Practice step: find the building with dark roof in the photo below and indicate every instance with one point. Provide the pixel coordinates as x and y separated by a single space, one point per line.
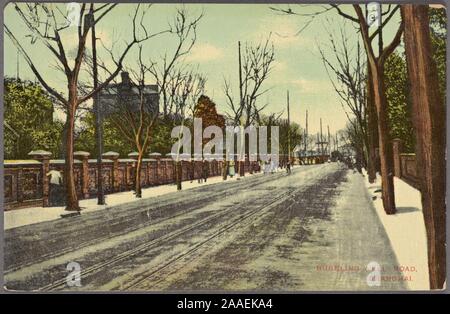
125 95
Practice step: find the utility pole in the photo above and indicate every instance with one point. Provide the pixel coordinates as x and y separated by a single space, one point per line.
304 136
241 103
241 97
98 113
289 128
329 142
306 132
321 138
318 143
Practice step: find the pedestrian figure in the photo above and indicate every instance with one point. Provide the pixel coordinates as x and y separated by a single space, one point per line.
272 166
266 166
205 169
200 171
288 167
56 193
231 170
349 163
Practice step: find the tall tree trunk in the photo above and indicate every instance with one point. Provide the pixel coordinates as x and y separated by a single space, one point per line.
386 158
371 131
63 147
429 122
71 192
137 177
379 92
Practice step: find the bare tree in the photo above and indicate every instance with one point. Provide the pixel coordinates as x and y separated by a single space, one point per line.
254 69
347 74
47 22
136 123
257 64
376 70
165 70
185 87
177 81
376 64
135 114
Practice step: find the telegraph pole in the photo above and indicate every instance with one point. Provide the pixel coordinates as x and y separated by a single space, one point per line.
241 103
318 143
329 143
241 97
306 132
321 138
98 118
304 135
289 128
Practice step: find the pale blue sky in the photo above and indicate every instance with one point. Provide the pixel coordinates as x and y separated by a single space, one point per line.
297 67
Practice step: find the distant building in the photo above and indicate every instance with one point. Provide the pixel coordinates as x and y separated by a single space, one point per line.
307 153
115 97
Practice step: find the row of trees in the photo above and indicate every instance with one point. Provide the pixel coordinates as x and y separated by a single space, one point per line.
408 94
129 127
28 120
46 23
388 93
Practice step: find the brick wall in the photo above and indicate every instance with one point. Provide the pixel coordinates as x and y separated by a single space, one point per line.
405 166
25 183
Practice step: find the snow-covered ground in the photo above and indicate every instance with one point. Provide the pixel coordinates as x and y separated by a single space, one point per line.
26 216
406 231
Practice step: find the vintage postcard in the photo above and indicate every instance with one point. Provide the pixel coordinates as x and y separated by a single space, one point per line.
220 147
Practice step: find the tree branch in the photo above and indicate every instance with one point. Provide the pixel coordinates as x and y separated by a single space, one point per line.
33 67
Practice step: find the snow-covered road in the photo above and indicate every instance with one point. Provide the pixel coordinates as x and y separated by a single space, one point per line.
315 229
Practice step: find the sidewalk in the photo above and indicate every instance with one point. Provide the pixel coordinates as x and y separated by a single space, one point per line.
405 230
348 248
26 216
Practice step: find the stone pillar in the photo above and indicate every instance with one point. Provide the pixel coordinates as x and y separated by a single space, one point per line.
157 157
44 157
169 163
128 175
20 185
165 178
147 172
84 158
397 149
185 162
144 169
134 156
115 173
